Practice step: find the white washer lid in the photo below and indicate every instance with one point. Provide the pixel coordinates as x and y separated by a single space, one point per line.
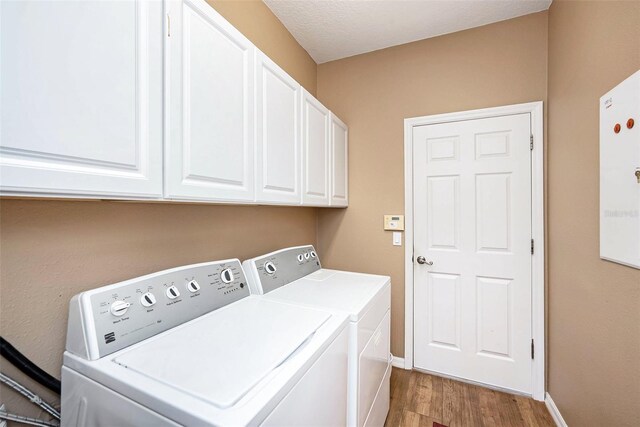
221 356
333 290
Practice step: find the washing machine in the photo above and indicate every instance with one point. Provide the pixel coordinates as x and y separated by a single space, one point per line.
191 346
295 275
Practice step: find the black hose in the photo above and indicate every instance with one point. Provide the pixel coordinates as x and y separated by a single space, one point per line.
29 368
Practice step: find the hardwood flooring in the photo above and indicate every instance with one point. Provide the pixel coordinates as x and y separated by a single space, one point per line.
420 400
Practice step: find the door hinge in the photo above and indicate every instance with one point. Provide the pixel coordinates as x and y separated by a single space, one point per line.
532 247
531 142
533 349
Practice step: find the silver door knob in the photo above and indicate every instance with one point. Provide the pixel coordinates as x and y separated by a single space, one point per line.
422 260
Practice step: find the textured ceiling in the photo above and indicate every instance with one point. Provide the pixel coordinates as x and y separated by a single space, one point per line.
334 29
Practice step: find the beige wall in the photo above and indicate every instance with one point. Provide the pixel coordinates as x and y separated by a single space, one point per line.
51 250
256 21
594 305
498 64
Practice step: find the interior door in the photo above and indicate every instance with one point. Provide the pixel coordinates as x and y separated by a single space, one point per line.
472 266
81 105
210 104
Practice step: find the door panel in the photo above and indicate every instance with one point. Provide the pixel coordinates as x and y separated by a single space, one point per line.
493 216
279 146
472 201
210 105
81 105
494 313
443 219
444 309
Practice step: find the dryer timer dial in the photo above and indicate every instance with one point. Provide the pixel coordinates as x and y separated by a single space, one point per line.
226 275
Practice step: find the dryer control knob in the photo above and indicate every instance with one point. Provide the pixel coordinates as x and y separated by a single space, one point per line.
269 267
118 308
300 258
313 254
148 299
226 275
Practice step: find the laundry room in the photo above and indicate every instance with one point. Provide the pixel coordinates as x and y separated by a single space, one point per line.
319 212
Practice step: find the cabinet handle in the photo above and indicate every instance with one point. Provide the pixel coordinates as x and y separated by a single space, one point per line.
168 25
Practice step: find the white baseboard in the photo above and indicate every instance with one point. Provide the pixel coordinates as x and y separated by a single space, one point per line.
398 362
553 410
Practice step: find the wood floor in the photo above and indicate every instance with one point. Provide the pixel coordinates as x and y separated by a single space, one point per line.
421 400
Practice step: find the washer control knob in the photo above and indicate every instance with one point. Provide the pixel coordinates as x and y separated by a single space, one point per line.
300 257
269 267
148 299
118 308
313 254
173 292
193 286
226 275
306 255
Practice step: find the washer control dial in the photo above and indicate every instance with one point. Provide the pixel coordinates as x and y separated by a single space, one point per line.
148 299
193 286
306 255
313 254
300 258
270 267
226 275
173 292
118 308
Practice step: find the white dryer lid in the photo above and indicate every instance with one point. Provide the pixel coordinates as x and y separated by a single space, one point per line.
333 290
221 356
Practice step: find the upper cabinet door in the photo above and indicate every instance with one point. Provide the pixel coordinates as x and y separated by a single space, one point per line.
81 104
210 105
339 162
315 151
278 132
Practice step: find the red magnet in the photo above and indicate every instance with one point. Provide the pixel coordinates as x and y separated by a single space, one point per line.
617 128
630 123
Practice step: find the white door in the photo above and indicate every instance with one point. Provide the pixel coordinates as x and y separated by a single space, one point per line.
339 162
278 143
472 288
209 106
81 104
315 151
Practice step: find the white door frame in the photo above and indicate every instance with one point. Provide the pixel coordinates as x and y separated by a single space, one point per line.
537 217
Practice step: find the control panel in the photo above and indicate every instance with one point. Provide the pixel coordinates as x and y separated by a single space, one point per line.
271 271
113 317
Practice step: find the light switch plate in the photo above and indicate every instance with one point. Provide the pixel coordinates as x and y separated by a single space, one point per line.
394 222
397 238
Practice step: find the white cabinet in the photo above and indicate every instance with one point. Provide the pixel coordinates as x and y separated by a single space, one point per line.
81 98
339 163
315 151
148 99
278 132
210 107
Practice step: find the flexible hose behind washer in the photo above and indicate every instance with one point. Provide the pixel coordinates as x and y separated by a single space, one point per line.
29 368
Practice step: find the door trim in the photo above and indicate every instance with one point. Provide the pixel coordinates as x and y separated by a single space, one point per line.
537 222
